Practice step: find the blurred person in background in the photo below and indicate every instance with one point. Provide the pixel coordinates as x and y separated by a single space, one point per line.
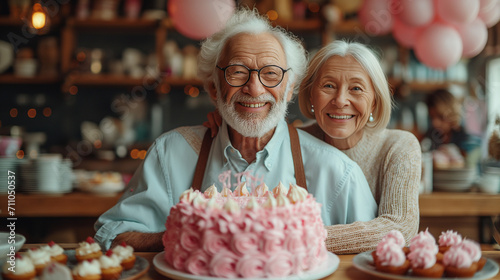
453 147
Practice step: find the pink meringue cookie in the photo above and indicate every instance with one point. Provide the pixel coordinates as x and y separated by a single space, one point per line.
390 254
396 236
422 258
457 257
423 239
449 238
472 248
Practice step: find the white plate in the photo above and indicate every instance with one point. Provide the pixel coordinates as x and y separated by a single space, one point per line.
364 262
328 267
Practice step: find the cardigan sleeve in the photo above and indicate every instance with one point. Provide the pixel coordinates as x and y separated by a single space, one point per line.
399 182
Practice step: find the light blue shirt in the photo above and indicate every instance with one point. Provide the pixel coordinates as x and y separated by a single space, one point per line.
168 169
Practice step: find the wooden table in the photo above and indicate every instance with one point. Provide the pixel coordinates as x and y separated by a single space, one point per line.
76 204
345 270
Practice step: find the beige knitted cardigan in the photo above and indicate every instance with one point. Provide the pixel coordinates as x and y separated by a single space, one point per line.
391 162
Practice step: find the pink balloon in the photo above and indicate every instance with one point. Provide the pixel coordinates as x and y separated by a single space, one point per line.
458 11
438 46
405 35
413 13
492 16
198 19
375 17
486 5
474 36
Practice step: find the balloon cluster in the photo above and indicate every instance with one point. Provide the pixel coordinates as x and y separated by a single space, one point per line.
439 31
198 19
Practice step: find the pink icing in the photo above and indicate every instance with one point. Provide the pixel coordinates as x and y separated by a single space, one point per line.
423 239
259 242
457 257
396 236
449 238
252 266
390 254
422 258
472 248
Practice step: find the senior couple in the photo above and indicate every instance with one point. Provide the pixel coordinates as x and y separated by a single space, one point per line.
365 176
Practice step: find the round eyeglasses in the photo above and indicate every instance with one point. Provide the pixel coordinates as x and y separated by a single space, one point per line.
238 75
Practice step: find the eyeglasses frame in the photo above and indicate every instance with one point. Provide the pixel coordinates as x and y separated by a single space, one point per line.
250 74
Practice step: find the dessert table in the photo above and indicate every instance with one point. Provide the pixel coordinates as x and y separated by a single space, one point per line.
345 270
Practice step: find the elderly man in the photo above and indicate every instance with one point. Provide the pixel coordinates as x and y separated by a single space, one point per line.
249 69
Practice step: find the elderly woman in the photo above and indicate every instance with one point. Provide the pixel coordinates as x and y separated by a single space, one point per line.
347 93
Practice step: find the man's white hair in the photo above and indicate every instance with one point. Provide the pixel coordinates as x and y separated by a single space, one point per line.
249 21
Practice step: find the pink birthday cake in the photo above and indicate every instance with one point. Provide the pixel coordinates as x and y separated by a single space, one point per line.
238 234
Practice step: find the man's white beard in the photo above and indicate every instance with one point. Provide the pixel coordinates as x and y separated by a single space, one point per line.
249 124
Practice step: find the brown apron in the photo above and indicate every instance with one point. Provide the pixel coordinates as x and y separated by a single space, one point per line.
298 165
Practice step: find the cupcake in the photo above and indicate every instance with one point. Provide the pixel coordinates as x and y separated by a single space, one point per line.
126 255
39 258
458 263
395 236
111 268
87 270
56 271
448 239
24 269
390 258
425 239
88 250
474 251
423 262
56 252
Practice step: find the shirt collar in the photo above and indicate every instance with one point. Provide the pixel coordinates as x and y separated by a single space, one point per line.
270 151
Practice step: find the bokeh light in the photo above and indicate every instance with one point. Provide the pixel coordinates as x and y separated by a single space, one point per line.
13 112
47 112
20 154
272 15
32 113
73 90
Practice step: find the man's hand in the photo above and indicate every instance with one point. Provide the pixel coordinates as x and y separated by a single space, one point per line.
213 122
142 242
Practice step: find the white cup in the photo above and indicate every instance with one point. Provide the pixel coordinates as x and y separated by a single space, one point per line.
489 183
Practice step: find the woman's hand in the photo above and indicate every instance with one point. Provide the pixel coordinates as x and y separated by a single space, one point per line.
213 122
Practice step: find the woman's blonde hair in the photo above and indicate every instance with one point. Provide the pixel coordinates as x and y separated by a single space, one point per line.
369 62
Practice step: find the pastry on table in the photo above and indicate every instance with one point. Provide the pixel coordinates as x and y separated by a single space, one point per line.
423 262
88 250
447 239
458 263
40 259
87 270
111 268
391 258
397 237
56 252
56 271
24 269
126 255
474 251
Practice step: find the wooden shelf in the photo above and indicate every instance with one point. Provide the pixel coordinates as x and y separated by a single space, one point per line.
445 204
115 24
426 87
10 21
299 25
123 80
37 80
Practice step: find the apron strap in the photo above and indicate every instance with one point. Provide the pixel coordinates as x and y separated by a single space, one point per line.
199 172
298 165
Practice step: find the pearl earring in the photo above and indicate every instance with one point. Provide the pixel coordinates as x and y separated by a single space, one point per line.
370 119
312 108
